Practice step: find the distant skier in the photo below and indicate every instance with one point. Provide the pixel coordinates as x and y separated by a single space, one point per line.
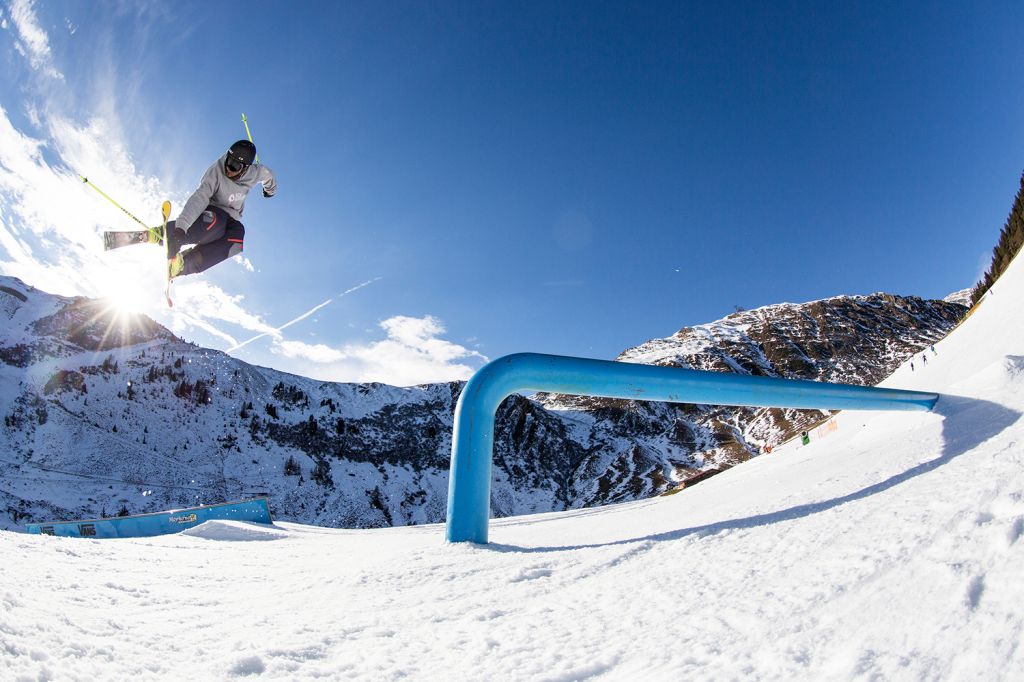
211 218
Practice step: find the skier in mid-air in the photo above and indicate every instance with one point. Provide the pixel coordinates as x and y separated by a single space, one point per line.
211 218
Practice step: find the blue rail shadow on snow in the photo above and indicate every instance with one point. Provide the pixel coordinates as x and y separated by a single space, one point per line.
966 424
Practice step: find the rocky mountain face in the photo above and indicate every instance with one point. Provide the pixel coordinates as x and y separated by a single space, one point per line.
846 339
107 414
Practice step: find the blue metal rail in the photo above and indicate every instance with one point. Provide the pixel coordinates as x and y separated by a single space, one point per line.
469 483
256 510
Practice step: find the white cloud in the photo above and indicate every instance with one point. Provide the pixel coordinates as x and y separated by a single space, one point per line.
184 321
276 331
33 43
314 352
207 301
412 353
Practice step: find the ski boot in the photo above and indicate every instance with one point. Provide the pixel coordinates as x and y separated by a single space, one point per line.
175 266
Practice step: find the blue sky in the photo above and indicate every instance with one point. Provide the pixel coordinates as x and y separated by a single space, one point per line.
463 180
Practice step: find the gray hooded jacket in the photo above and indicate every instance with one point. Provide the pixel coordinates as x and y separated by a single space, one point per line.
218 189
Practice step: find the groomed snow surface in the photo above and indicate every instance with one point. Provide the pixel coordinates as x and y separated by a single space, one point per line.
890 549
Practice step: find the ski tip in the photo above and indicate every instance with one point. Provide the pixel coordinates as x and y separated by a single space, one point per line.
166 209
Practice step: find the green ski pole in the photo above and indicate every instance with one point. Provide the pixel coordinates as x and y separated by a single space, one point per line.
245 122
107 197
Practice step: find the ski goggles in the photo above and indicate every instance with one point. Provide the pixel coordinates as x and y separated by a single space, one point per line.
233 165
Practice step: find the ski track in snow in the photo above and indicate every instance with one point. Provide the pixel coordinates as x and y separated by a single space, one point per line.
889 550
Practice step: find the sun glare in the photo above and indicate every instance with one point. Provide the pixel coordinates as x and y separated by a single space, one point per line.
127 300
125 295
131 282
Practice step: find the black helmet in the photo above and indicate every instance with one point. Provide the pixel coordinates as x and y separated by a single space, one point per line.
240 156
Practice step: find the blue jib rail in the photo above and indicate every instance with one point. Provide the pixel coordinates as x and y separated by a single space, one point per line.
469 483
256 510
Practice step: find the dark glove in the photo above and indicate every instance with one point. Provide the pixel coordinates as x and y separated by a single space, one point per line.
266 194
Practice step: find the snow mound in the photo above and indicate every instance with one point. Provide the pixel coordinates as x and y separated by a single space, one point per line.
235 531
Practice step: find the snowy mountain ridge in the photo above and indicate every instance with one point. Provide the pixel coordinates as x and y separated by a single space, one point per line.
106 414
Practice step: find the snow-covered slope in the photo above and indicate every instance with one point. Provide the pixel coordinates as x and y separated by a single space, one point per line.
889 550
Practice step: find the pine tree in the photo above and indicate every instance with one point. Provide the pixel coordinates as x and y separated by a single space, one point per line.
1010 240
322 473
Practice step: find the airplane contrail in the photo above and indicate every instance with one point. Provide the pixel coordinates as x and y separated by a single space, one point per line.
303 316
